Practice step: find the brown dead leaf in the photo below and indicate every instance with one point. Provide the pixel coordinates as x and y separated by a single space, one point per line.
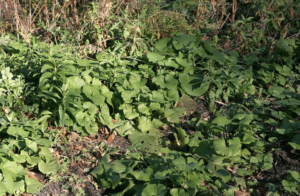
241 193
114 120
98 155
165 127
233 170
73 136
89 138
111 137
33 176
104 130
26 194
228 168
188 103
6 110
78 147
63 132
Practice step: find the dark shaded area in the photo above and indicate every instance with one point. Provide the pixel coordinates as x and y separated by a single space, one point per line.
84 154
285 159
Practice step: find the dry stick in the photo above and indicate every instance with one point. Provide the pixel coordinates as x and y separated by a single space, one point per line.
223 23
37 14
223 9
29 16
295 35
234 5
53 12
18 21
46 13
75 13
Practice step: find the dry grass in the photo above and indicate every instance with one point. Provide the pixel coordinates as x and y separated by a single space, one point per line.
35 17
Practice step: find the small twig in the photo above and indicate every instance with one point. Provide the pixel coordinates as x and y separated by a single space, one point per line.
37 15
293 36
219 29
219 102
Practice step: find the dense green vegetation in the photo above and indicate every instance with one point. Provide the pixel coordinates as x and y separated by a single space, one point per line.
139 69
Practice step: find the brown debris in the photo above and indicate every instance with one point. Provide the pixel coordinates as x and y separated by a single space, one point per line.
241 193
111 138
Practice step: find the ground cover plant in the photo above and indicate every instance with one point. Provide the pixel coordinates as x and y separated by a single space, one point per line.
150 98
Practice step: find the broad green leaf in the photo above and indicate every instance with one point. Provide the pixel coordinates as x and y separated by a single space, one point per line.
277 91
128 95
170 81
9 168
157 97
154 190
295 142
144 141
172 115
183 137
76 82
193 85
45 153
144 109
181 164
290 186
114 167
195 139
159 80
178 192
233 149
163 44
33 185
182 41
46 66
43 118
248 139
105 116
91 130
94 94
154 57
7 184
184 63
223 174
15 131
130 113
33 161
107 93
48 168
44 78
21 158
86 62
19 186
61 112
294 174
143 175
124 129
92 109
204 149
242 172
145 124
81 118
157 123
172 95
221 121
136 81
31 145
171 63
